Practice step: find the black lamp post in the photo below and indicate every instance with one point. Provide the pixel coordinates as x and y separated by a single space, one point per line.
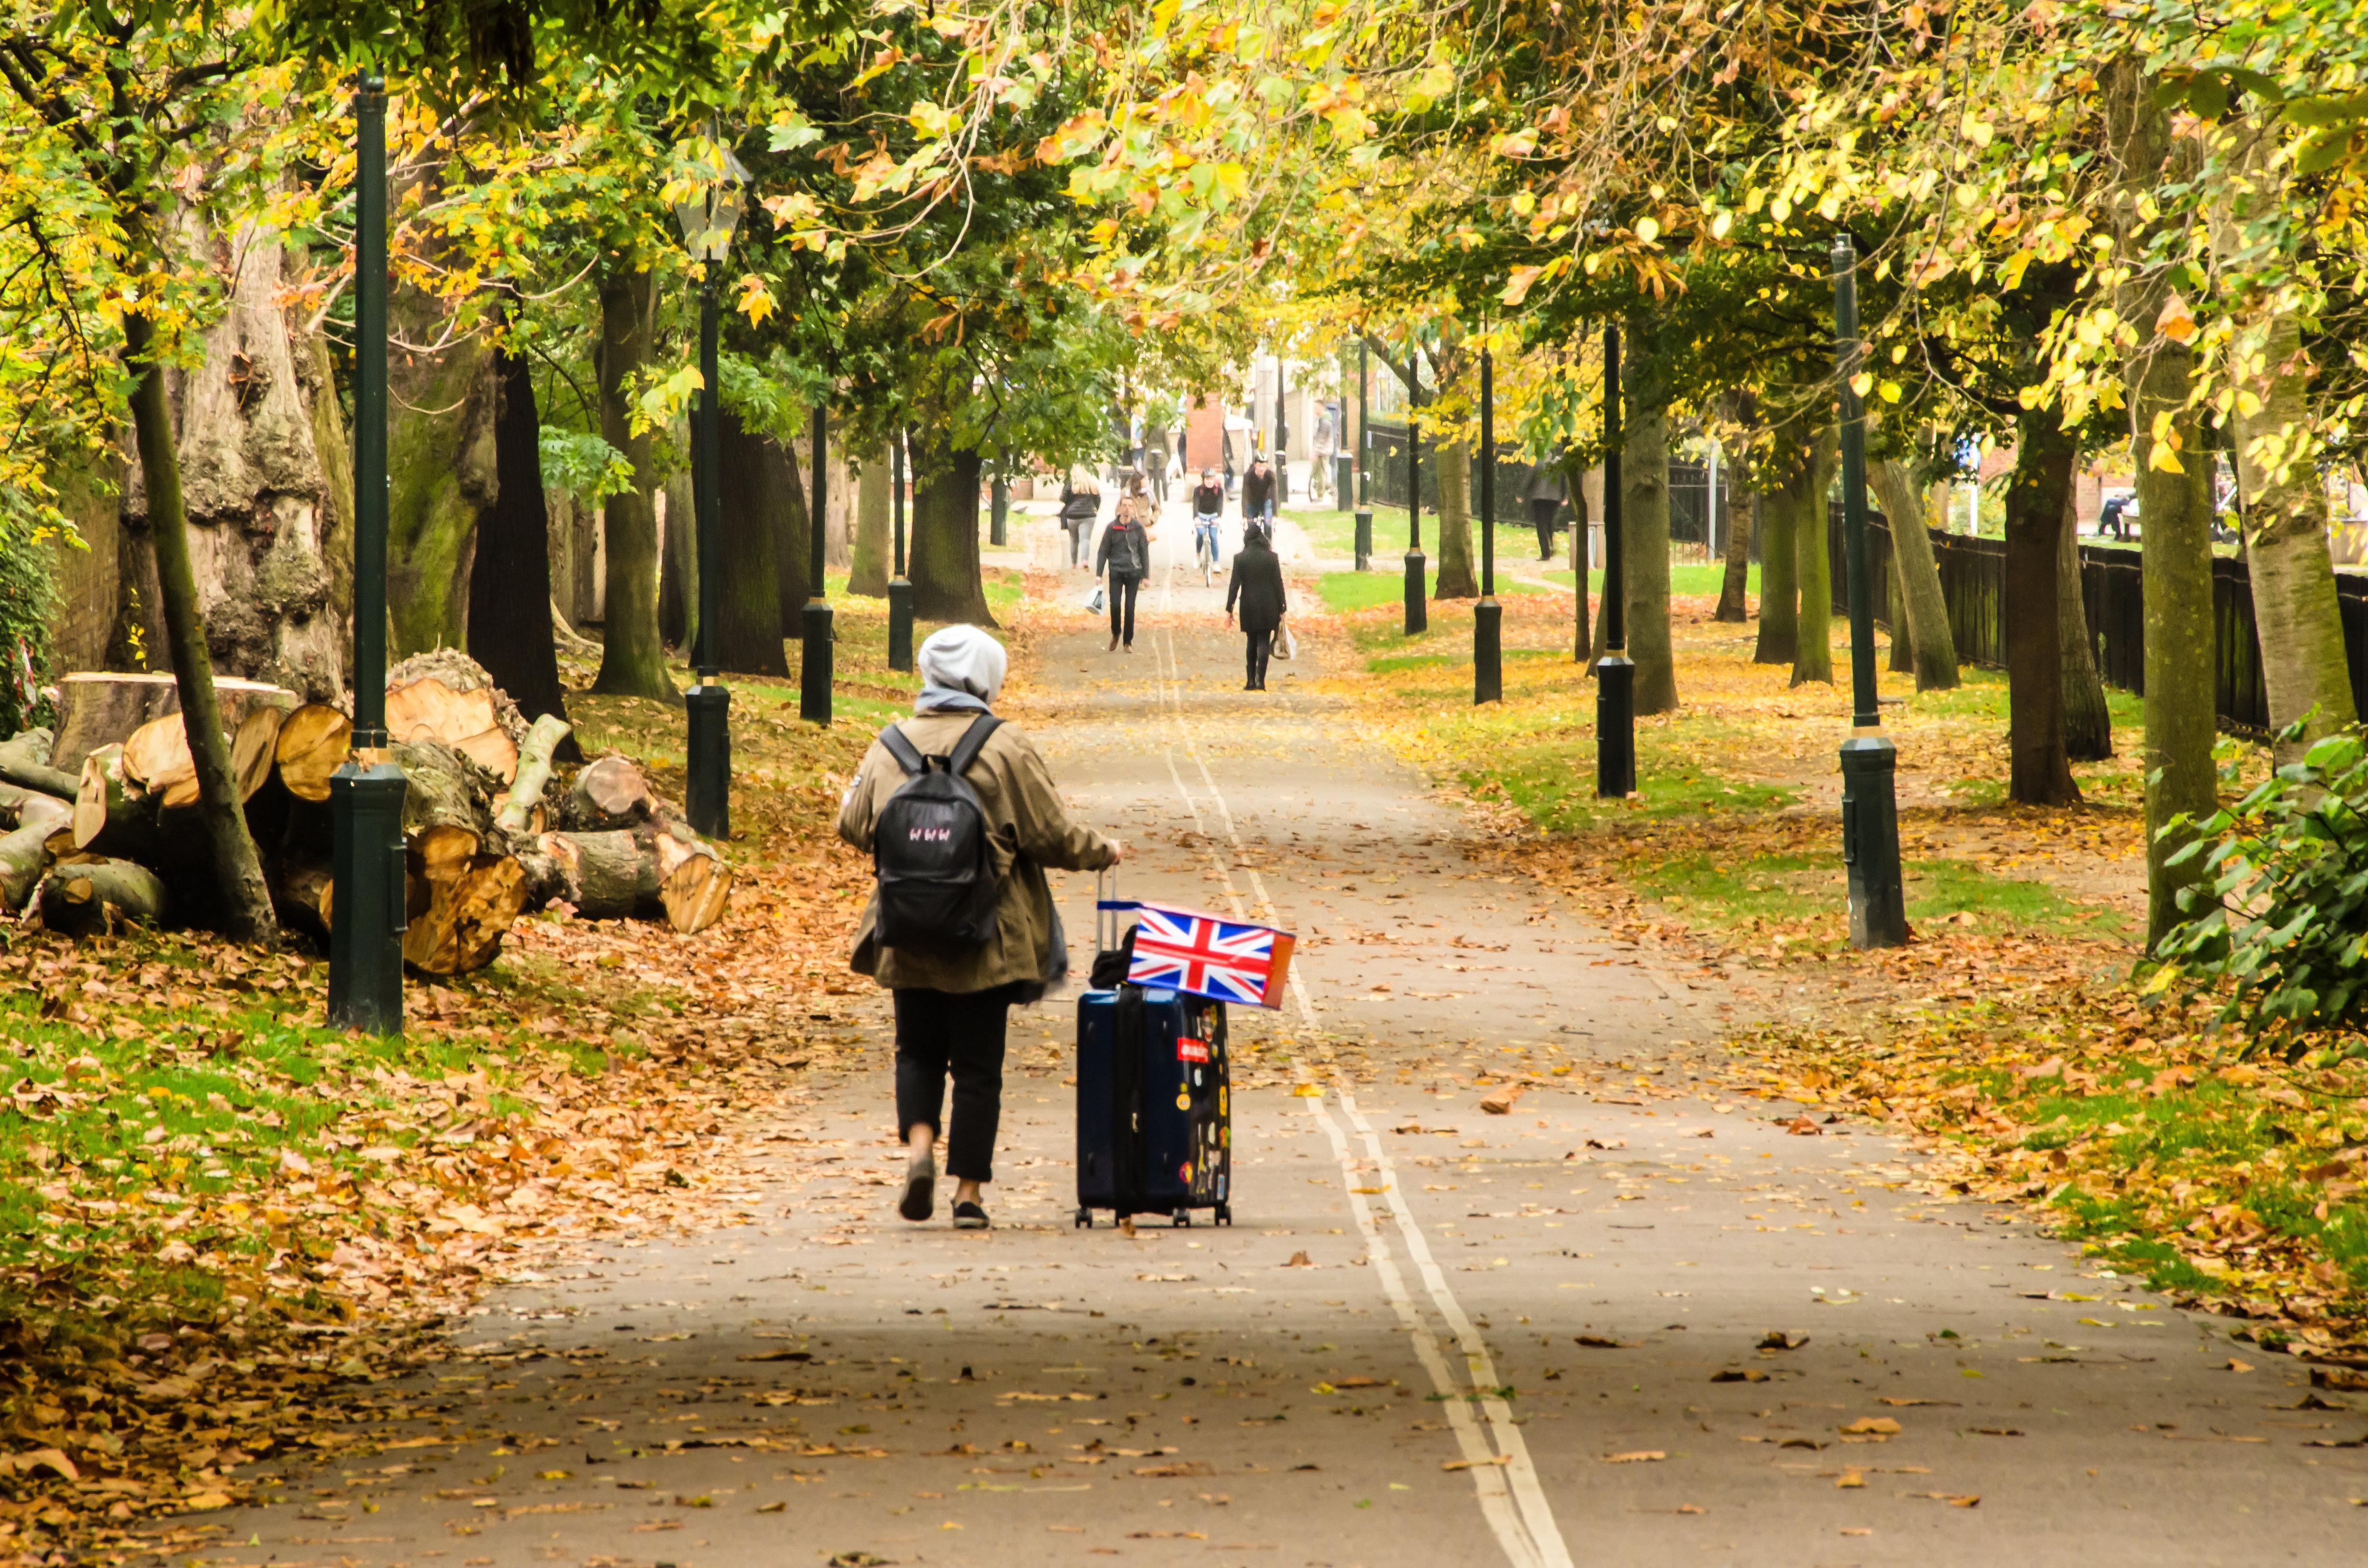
1488 616
1615 676
1364 498
814 657
999 507
1878 917
366 914
1417 608
900 592
707 216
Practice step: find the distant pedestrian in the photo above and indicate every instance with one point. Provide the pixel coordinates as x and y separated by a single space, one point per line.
1156 450
1233 475
1081 507
1256 587
953 999
1125 554
1545 497
1257 491
2111 519
1319 481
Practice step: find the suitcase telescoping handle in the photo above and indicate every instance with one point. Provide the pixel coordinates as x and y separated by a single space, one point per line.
1110 910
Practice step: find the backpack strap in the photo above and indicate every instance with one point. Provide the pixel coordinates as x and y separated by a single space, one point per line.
902 750
974 741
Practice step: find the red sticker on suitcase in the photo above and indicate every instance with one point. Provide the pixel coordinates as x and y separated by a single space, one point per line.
1190 1049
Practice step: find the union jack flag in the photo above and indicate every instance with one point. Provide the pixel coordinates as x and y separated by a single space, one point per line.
1226 960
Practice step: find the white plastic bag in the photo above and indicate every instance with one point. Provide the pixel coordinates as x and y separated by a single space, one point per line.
1096 603
1285 647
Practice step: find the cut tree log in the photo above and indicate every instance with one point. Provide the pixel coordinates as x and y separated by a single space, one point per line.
110 816
694 884
443 786
97 708
301 891
24 856
42 811
24 762
16 800
254 747
89 892
609 793
460 902
429 710
607 876
518 808
312 746
157 756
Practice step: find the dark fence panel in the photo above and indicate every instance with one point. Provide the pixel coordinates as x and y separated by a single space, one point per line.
1387 464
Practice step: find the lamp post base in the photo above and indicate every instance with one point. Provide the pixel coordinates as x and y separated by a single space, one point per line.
900 624
1878 914
707 797
814 663
1417 593
366 912
1487 652
1615 727
1364 539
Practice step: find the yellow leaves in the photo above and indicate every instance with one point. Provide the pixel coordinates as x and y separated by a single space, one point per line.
2176 321
755 300
2010 272
1514 144
1648 228
1890 391
1721 225
1862 383
2164 458
931 120
1977 130
1080 135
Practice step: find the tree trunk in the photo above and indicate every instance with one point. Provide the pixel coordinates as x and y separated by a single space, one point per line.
633 662
246 902
1780 593
2040 774
2175 501
1932 645
678 564
1813 563
1644 527
873 562
443 474
1903 636
1734 588
944 570
750 497
509 585
2278 446
1459 577
791 550
256 449
2088 722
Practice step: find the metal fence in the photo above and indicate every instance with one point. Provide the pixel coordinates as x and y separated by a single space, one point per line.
1387 464
2112 588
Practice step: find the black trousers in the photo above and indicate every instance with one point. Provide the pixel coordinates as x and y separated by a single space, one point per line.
1122 603
1541 515
940 1033
1261 645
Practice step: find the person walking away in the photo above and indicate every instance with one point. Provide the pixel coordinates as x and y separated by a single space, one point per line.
954 995
1233 478
1154 462
1208 505
1319 481
1256 588
1125 554
1257 493
1546 498
1081 507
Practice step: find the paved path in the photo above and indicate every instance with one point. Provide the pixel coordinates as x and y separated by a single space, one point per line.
1435 1338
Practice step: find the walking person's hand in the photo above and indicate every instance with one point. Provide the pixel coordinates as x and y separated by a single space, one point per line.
1229 621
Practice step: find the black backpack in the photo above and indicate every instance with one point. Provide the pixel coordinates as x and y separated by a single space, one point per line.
929 849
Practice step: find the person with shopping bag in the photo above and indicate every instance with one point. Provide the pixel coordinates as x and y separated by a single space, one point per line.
1125 554
961 818
1256 587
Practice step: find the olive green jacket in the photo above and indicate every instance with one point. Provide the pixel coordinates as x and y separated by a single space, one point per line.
1028 830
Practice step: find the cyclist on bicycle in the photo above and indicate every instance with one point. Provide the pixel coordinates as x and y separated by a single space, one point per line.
1208 505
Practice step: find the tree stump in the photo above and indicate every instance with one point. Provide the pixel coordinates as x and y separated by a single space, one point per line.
460 902
429 710
607 876
97 708
694 884
609 793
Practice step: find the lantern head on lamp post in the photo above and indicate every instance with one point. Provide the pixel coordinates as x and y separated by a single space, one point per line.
708 214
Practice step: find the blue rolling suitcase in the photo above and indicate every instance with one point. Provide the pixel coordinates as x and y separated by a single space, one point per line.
1154 1104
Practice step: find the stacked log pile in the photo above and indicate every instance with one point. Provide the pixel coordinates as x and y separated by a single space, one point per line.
101 827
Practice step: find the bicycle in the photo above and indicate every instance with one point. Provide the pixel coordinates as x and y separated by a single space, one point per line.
1205 547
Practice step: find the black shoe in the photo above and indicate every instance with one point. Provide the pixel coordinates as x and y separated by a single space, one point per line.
969 1217
1250 686
920 1188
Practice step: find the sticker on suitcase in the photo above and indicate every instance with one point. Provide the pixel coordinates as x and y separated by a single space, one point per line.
1190 1049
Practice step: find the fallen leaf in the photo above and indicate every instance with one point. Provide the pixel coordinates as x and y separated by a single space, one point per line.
1777 1339
1872 1427
1640 1456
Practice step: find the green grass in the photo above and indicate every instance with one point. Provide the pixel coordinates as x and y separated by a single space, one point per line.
1725 893
1549 773
1347 591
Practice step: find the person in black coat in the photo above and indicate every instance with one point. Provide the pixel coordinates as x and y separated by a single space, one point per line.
1258 586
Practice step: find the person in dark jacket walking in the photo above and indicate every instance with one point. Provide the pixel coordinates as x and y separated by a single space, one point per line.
1081 507
1125 554
1256 586
1257 491
1544 495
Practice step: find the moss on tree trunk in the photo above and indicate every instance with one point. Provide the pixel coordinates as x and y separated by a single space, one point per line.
944 569
749 502
1645 522
632 661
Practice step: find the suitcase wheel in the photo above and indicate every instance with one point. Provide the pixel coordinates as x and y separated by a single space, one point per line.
1224 1215
1183 1219
1085 1221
